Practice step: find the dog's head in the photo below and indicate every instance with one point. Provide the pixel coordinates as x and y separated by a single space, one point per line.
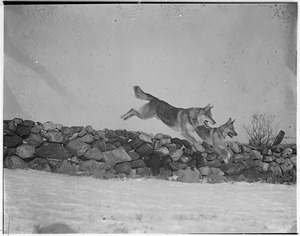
204 116
228 129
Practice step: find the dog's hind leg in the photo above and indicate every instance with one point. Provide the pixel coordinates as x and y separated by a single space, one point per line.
145 112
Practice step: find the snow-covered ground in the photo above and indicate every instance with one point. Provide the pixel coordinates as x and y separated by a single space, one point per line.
89 205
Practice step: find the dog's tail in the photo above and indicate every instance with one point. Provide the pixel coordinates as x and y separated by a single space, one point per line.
140 94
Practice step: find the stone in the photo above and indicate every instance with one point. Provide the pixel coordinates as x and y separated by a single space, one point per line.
187 176
268 158
115 156
188 151
144 150
144 171
185 159
165 161
204 171
246 155
176 154
137 163
100 133
53 151
7 131
58 126
171 146
159 136
287 152
238 158
287 165
12 126
77 129
255 155
217 179
93 154
133 155
228 168
100 144
154 163
177 141
264 151
209 150
293 159
187 144
74 136
211 157
48 126
82 133
39 164
135 143
177 166
28 123
126 147
25 151
161 152
14 162
245 148
77 147
214 163
124 167
11 151
55 136
67 131
92 167
34 140
110 134
164 174
164 141
110 146
23 130
12 141
145 138
265 166
274 167
241 178
132 135
216 171
276 154
88 138
36 129
74 160
65 167
18 121
89 129
234 147
121 133
279 160
204 155
248 163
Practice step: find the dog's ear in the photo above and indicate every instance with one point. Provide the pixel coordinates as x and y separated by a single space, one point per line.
207 107
210 108
229 121
232 121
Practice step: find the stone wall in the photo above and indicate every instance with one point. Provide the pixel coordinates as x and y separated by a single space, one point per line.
106 154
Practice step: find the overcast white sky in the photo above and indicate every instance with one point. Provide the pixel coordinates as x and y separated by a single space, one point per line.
77 64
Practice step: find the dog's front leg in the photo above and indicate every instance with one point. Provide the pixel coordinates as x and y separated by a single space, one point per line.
190 138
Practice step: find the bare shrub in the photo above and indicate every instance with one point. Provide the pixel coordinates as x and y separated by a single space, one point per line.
262 130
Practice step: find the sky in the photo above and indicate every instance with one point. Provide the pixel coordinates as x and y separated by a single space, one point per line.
77 64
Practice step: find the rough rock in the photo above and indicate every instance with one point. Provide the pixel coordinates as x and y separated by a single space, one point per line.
12 126
114 156
145 138
124 167
144 171
14 162
159 136
144 150
28 123
204 171
65 167
67 131
245 148
188 151
217 179
154 163
268 158
88 138
55 137
35 140
171 146
287 165
39 164
161 152
274 167
177 166
48 126
164 141
228 168
110 134
177 141
133 155
94 154
58 126
18 121
234 147
92 167
293 159
25 151
100 144
216 171
77 147
82 133
255 155
23 130
215 163
7 131
137 163
121 133
89 129
211 157
187 176
176 154
209 150
36 129
132 135
53 151
135 143
100 133
238 158
265 166
12 141
287 152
